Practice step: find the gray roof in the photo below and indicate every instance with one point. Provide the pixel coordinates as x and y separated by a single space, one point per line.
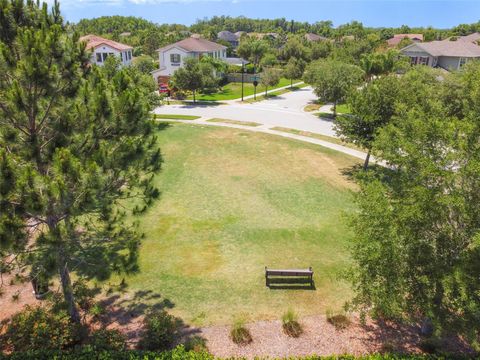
448 48
470 38
227 36
235 61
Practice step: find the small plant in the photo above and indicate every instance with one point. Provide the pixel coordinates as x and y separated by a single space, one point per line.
16 296
97 310
160 331
196 343
339 320
239 333
290 324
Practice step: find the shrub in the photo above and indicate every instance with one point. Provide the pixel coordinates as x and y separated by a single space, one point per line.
196 343
339 320
39 328
430 345
239 333
290 324
160 331
108 340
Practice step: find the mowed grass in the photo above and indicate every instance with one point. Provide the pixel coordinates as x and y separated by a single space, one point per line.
233 91
232 203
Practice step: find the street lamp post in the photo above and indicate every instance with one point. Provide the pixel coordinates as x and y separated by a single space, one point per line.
243 72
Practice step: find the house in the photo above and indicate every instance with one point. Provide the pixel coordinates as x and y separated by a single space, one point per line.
103 48
314 37
171 57
229 37
473 38
446 54
397 38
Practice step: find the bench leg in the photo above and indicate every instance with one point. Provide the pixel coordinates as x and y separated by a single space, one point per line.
266 281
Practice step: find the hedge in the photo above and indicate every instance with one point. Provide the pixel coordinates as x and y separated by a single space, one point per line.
179 353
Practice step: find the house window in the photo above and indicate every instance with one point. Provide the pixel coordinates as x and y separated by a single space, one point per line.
121 57
175 58
413 60
99 57
423 60
129 55
462 62
104 56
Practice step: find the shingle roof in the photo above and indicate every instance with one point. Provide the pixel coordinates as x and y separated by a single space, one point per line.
314 37
470 38
449 48
196 45
227 36
94 41
397 38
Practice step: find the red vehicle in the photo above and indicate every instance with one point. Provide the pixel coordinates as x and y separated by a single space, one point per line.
164 89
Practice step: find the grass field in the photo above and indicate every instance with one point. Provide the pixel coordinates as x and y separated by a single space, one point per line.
233 202
233 91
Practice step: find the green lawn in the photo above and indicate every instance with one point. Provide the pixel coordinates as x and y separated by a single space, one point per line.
233 202
343 109
234 91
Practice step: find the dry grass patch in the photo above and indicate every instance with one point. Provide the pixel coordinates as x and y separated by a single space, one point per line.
234 122
312 107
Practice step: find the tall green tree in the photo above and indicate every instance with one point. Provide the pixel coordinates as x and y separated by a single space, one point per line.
332 80
417 234
294 70
74 146
372 107
189 77
270 77
253 50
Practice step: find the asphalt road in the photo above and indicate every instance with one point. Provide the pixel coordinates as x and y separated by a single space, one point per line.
284 110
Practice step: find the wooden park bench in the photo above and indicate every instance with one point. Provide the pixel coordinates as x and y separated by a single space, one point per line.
289 276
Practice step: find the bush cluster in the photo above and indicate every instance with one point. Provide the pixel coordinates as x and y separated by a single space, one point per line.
160 331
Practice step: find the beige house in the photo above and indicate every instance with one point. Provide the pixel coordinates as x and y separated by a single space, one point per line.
172 57
446 54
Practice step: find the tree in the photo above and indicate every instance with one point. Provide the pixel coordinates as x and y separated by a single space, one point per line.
372 108
294 70
295 48
73 147
417 242
270 77
145 64
253 50
332 80
189 77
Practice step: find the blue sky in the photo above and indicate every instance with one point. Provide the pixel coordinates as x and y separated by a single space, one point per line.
438 13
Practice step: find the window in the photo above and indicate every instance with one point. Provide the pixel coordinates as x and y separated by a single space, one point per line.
423 60
175 58
462 62
99 57
121 56
129 55
413 60
104 56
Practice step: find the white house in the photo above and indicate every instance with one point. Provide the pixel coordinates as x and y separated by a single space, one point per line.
103 48
171 57
446 54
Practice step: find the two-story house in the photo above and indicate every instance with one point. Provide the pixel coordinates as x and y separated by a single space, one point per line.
103 48
172 57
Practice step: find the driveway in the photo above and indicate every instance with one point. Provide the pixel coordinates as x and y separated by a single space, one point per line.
284 111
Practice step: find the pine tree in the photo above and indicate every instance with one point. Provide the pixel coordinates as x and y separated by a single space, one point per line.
75 149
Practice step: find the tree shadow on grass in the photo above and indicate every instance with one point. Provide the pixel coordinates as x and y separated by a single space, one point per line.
126 312
357 174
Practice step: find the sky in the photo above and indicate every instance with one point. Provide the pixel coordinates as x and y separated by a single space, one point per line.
376 13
